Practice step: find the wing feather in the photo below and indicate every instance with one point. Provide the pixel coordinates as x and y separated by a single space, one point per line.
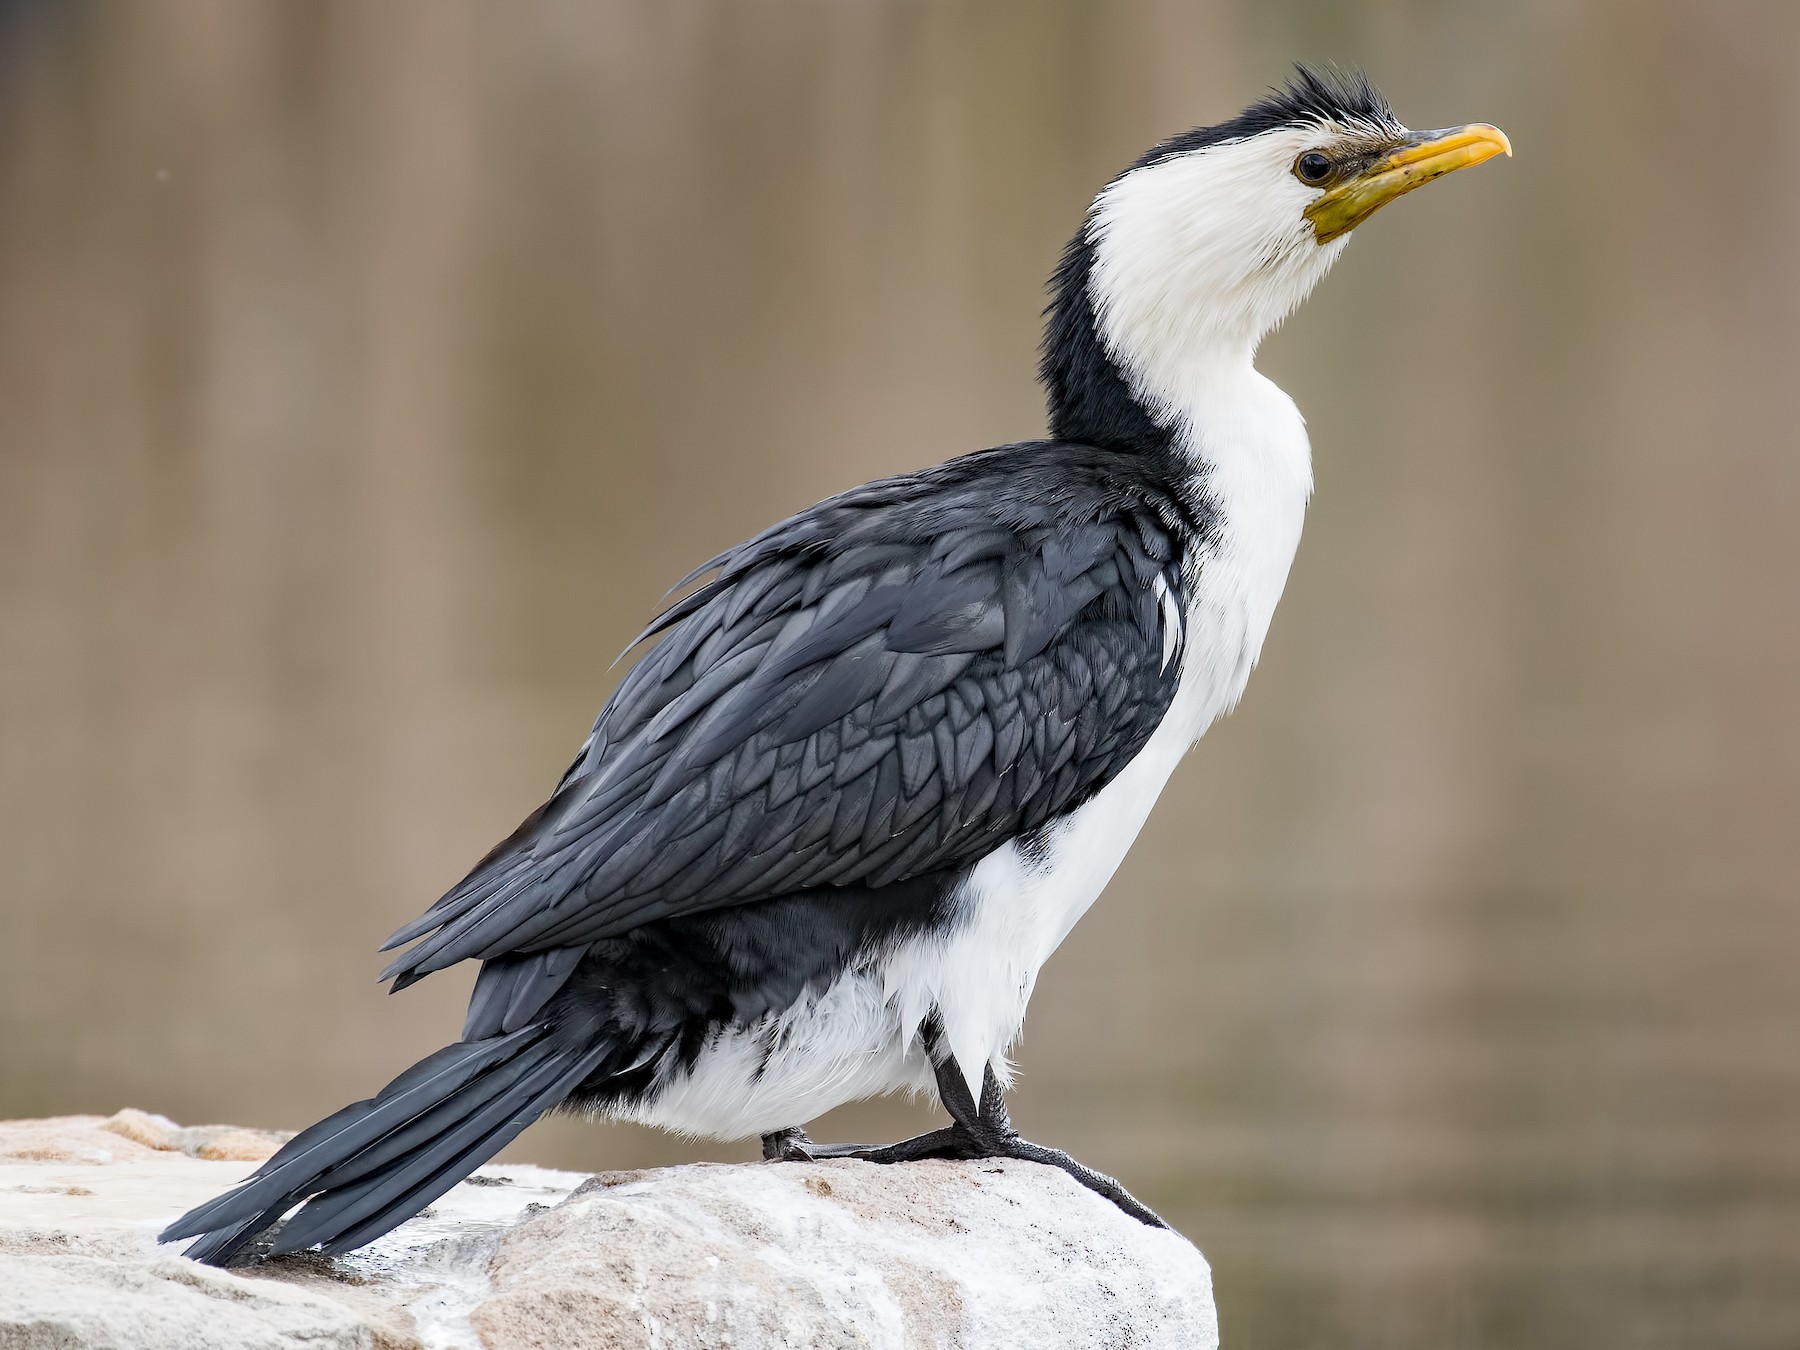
887 685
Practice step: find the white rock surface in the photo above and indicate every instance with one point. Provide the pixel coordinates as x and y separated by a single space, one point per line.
521 1258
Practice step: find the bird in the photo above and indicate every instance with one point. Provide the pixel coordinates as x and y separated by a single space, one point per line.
865 776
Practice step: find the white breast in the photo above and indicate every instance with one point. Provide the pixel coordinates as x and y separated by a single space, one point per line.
1248 442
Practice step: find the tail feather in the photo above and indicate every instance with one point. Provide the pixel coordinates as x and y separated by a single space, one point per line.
318 1148
447 1162
376 1163
263 1185
419 1130
425 1168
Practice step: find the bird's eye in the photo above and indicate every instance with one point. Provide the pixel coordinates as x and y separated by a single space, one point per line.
1312 167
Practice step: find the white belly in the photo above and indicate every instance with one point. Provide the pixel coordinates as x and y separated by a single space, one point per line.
840 1046
860 1037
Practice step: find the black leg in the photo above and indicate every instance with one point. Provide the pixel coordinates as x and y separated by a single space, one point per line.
979 1130
993 1104
793 1145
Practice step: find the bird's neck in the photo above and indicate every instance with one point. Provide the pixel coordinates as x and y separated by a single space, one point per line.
1091 397
1179 386
1189 397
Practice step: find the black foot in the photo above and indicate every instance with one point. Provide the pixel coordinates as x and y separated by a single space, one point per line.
1097 1182
793 1145
787 1146
983 1131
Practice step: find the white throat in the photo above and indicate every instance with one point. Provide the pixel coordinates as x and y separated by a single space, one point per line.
1196 258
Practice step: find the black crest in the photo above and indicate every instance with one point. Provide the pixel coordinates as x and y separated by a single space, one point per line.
1312 94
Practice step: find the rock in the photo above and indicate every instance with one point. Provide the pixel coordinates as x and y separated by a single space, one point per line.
93 1294
832 1254
82 1139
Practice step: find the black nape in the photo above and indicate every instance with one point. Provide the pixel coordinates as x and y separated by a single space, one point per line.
1090 401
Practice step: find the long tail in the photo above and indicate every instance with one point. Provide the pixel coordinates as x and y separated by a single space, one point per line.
377 1163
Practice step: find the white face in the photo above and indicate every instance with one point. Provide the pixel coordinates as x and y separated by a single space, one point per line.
1198 256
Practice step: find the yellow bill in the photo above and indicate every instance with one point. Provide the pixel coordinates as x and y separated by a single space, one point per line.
1425 155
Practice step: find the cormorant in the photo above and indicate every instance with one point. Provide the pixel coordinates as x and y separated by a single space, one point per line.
868 775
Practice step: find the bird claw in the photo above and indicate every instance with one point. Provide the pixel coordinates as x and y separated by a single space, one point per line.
794 1145
988 1140
1098 1182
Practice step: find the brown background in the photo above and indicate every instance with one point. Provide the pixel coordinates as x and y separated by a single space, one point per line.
366 372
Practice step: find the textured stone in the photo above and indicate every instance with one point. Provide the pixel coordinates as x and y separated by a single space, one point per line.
85 1298
520 1258
96 1139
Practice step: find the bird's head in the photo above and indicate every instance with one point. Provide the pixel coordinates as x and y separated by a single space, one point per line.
1211 239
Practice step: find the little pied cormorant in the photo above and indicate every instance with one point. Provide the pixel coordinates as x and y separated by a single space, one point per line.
869 774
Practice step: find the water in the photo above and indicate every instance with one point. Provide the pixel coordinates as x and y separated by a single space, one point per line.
367 372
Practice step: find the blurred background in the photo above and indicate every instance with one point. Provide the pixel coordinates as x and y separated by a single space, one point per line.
368 371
